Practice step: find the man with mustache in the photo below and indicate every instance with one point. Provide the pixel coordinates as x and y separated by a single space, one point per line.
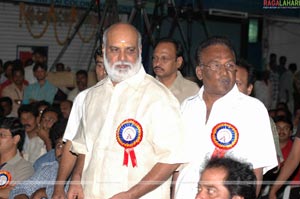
34 146
131 129
41 183
167 60
221 121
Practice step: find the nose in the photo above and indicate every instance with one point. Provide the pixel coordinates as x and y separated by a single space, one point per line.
122 55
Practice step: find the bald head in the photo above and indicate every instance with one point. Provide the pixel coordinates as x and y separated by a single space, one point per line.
126 29
122 51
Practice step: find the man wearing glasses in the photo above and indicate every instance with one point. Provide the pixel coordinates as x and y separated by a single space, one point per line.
13 168
221 121
167 60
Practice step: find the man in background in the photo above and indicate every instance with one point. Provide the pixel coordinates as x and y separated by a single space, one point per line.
38 56
42 89
167 60
81 84
11 144
15 90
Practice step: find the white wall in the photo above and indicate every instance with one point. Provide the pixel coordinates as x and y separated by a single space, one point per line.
284 40
11 34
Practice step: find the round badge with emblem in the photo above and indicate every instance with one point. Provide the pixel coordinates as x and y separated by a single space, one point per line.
129 134
5 178
224 136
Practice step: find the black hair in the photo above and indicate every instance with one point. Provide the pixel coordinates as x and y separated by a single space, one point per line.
293 67
242 63
53 109
285 119
40 50
15 126
60 64
39 65
28 108
17 68
6 99
211 41
6 64
240 179
68 101
177 45
82 72
40 103
57 131
282 59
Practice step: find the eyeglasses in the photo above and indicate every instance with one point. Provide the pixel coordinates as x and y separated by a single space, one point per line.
3 135
215 66
162 59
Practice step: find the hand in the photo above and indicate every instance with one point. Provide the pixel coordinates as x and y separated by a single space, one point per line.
43 133
4 193
272 195
75 191
59 192
122 195
40 193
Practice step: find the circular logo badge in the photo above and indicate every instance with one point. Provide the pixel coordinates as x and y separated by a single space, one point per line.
5 178
129 133
224 135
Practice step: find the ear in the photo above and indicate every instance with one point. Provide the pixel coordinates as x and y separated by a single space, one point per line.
249 89
198 72
179 61
16 139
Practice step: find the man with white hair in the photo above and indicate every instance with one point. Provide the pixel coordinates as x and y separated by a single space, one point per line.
131 131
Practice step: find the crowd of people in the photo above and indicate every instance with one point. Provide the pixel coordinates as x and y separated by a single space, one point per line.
132 135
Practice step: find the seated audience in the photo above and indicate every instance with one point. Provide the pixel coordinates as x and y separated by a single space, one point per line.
285 129
290 165
7 104
59 67
7 67
81 82
42 89
11 143
49 116
39 55
44 177
41 106
15 90
226 178
34 146
65 108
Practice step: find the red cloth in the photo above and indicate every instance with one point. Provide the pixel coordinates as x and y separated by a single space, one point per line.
285 152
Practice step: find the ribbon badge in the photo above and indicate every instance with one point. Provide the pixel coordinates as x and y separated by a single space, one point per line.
129 134
224 136
5 178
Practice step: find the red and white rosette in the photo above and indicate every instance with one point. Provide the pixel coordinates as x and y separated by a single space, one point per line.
129 134
224 136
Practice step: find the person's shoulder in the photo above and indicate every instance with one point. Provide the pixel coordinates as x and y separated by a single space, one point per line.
22 165
190 84
152 83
